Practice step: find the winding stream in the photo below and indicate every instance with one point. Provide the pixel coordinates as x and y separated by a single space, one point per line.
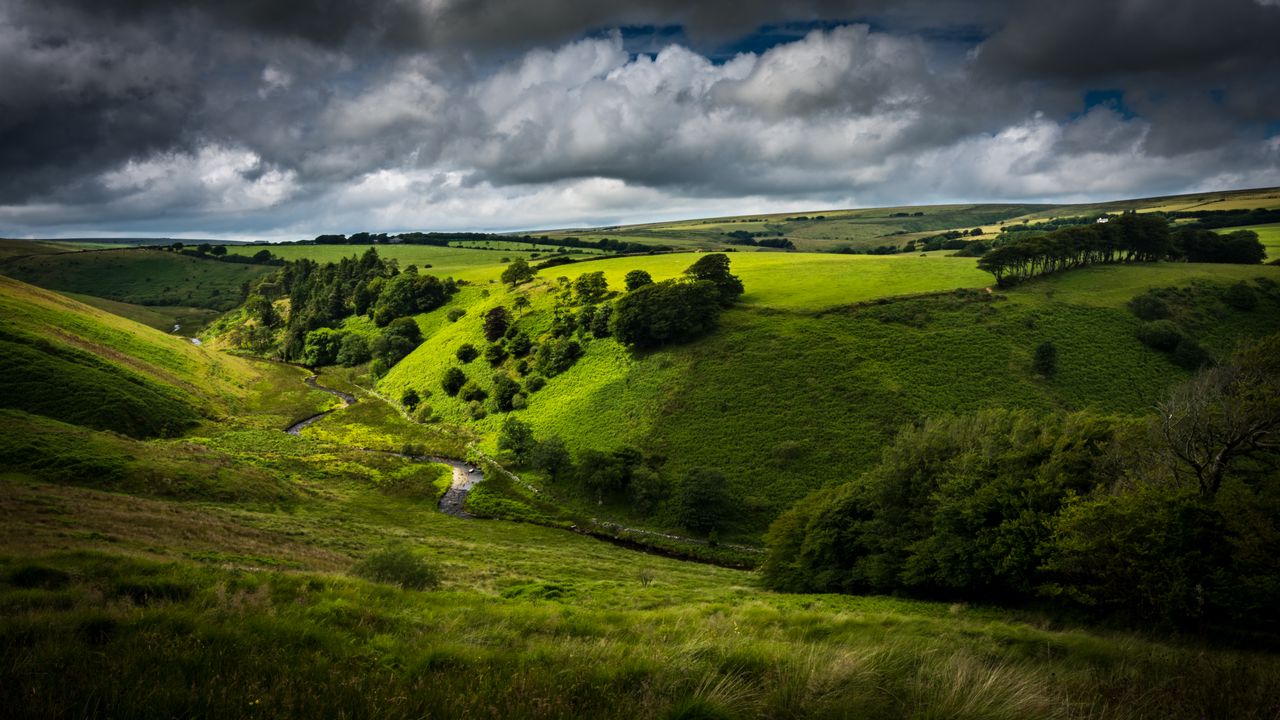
465 475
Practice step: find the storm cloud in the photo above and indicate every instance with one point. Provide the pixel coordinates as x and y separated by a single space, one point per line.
286 119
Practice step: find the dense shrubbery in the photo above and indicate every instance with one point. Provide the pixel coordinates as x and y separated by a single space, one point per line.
654 314
398 566
1174 519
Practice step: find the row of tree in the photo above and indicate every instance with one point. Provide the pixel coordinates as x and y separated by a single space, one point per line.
1128 238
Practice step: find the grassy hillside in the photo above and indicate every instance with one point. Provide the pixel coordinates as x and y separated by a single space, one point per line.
75 363
238 597
139 276
462 264
190 319
806 380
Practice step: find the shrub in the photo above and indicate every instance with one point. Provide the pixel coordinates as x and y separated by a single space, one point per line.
495 354
454 380
637 279
410 399
1045 361
1241 297
1189 355
467 352
505 391
1162 335
398 566
704 500
455 314
1149 306
471 392
354 350
535 383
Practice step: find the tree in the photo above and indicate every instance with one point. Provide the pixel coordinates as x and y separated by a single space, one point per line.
505 391
397 340
552 457
322 346
453 381
704 500
666 312
714 268
495 354
496 322
590 288
467 352
1226 414
219 250
517 272
637 279
410 399
1046 359
354 350
516 438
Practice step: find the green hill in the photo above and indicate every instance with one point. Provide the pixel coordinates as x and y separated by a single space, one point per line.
141 276
823 360
72 362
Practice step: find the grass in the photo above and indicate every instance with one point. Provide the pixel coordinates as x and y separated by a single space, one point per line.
190 319
139 276
795 392
73 362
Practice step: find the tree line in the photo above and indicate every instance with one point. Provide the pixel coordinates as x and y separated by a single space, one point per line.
443 239
1128 238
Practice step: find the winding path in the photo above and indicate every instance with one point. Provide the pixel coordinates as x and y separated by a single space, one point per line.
465 475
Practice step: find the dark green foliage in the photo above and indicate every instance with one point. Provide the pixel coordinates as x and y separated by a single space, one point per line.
467 352
322 347
1149 306
517 272
455 314
409 294
551 456
666 312
958 506
704 501
472 392
535 383
1162 335
600 322
520 345
557 355
1241 297
1045 361
637 279
1128 238
496 322
397 340
410 398
495 354
1241 246
505 392
398 566
453 381
354 350
590 288
516 438
1190 355
714 268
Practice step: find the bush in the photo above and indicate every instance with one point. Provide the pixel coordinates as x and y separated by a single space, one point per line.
495 354
1149 306
637 279
455 314
1162 335
467 352
1190 355
471 392
398 566
704 500
1241 297
535 383
454 380
505 391
354 350
1045 361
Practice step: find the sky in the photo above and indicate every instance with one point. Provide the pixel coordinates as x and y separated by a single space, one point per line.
284 119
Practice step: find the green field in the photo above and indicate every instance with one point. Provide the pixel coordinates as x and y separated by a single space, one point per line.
458 263
139 276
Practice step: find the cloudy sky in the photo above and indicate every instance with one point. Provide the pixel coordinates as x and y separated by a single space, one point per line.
281 119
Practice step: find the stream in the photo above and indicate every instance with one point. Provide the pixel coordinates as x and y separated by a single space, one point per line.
465 475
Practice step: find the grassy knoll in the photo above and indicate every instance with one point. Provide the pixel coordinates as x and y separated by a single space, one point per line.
798 390
75 363
459 263
139 276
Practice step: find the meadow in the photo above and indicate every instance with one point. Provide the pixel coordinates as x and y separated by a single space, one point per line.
461 264
140 276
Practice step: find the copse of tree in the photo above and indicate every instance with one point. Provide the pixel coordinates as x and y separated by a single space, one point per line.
671 311
1204 246
322 347
1128 238
409 294
714 268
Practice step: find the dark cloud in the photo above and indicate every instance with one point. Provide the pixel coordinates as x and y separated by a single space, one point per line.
388 114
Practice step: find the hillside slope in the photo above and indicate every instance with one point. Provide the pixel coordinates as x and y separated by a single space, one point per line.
66 360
